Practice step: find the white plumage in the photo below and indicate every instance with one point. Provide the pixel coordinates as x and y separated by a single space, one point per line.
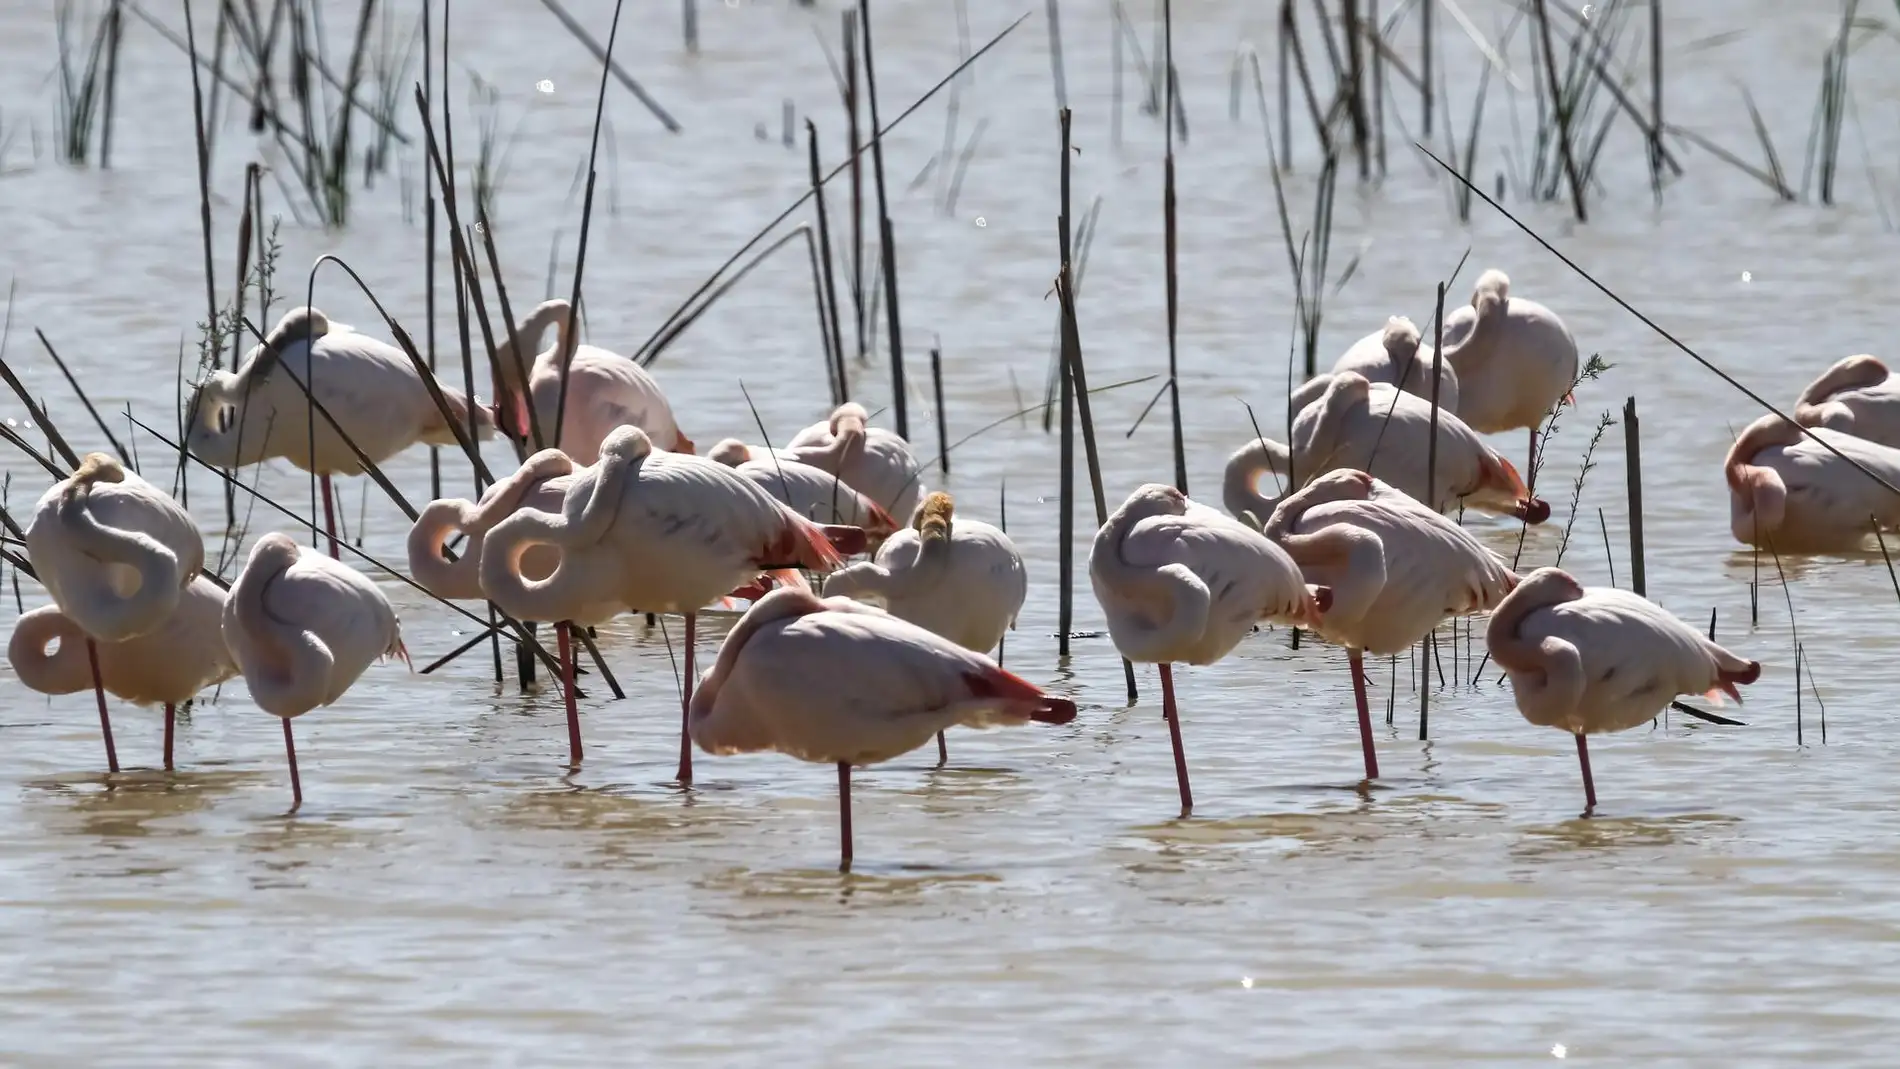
871 459
1856 396
1515 358
1788 491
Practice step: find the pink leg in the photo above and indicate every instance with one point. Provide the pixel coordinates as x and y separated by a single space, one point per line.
290 755
564 646
171 720
1173 717
686 706
943 751
1589 785
105 719
1358 668
844 815
329 515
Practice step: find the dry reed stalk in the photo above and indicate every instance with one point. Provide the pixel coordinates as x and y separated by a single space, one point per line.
604 56
841 383
1633 473
900 399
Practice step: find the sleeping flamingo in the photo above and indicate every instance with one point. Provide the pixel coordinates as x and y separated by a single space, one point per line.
813 493
1181 582
1515 359
644 531
1596 660
604 390
1375 428
369 387
1395 357
1788 492
303 627
117 554
964 581
170 664
541 482
869 459
1856 396
838 682
1395 568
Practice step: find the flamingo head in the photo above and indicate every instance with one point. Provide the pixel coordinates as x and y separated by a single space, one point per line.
1341 484
849 417
1400 339
731 452
1547 586
1154 499
216 430
1492 294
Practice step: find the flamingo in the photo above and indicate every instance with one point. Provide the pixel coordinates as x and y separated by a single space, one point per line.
653 532
1395 568
1856 396
303 628
839 682
1514 357
604 390
1375 428
1392 356
871 460
1181 582
541 482
117 555
170 664
963 582
813 493
1597 659
369 387
1787 491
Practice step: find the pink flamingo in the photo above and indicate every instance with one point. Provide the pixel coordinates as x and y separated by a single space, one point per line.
1515 359
1181 582
1394 356
869 459
1597 659
303 628
170 664
541 482
963 581
1395 568
117 554
368 387
1789 492
838 682
816 494
650 532
1856 396
1375 428
604 390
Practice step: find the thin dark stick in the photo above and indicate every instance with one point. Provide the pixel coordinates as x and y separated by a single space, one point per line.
1055 55
1882 539
606 60
204 194
114 31
900 400
1425 64
428 242
1431 482
1609 558
1633 466
841 382
1170 242
83 399
1563 114
855 163
38 416
1655 94
936 389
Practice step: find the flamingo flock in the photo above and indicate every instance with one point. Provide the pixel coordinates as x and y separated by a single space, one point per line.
851 663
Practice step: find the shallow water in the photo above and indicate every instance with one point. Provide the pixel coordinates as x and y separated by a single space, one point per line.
448 893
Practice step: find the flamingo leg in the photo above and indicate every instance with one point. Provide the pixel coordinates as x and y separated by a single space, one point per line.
566 650
686 705
1357 665
943 751
844 815
171 721
105 719
329 515
1589 785
290 755
1173 717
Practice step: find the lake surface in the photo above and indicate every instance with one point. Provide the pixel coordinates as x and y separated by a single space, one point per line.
449 893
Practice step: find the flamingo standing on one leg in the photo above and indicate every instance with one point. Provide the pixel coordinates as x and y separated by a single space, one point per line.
650 532
1394 356
369 387
963 581
818 495
1375 428
303 628
1515 359
117 554
871 460
1181 582
1788 491
1597 659
838 682
170 664
1857 396
604 390
1395 568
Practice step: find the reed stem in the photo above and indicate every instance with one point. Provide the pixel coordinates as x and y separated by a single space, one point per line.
1633 465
